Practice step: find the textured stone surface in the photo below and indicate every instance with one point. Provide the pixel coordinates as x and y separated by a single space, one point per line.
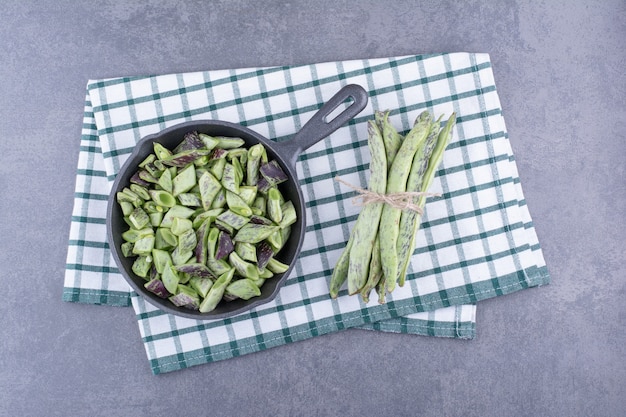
554 351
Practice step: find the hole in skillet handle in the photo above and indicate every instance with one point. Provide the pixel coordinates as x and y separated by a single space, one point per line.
341 107
285 156
336 112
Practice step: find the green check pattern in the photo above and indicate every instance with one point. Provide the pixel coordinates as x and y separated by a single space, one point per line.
477 241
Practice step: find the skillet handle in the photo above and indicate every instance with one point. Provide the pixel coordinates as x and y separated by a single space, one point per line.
317 128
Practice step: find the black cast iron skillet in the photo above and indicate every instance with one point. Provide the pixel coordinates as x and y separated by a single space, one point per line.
285 153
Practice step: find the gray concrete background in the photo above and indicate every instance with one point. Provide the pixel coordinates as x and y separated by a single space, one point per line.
555 351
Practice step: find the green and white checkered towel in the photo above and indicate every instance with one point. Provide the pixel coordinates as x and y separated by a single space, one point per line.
477 241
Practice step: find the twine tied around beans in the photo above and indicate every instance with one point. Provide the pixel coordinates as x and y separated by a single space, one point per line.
403 200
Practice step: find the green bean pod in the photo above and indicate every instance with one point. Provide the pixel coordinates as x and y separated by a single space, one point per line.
366 226
374 274
443 138
396 183
391 137
340 271
409 221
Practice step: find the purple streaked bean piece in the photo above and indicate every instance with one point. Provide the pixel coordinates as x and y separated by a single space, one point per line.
190 141
230 179
147 177
218 153
136 179
156 287
184 158
224 245
223 227
195 270
183 299
200 252
260 220
263 185
153 272
264 253
273 173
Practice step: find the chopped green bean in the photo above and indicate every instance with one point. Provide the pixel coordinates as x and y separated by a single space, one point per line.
237 205
254 233
161 259
209 188
217 167
144 245
176 211
277 266
229 179
243 268
163 198
165 181
165 239
247 251
248 194
254 162
216 292
184 181
139 218
220 199
273 205
229 143
201 285
180 225
244 289
232 219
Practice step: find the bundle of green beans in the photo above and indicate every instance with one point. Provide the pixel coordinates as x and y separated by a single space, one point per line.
383 238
